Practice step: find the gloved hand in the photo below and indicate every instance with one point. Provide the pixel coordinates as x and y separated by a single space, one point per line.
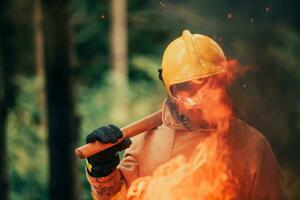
104 162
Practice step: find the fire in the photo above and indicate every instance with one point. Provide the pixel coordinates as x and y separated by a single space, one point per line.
205 175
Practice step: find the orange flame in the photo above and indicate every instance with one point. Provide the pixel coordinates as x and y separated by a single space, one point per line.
205 175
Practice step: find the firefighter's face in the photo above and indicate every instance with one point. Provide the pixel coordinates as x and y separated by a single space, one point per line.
188 98
196 99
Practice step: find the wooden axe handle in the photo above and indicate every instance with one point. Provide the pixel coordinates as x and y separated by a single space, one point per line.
142 125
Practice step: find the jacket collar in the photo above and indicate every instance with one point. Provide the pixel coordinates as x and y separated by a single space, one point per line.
169 120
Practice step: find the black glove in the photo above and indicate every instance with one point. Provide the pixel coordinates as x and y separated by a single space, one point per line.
104 162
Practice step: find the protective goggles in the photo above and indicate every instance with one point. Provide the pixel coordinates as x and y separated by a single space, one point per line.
189 92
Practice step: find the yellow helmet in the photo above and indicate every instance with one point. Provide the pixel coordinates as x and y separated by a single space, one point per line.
191 56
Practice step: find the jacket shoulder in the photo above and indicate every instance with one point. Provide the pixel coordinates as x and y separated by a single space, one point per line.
244 137
140 140
245 132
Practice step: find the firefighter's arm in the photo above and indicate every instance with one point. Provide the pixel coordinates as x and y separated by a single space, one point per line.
106 181
115 185
110 187
268 182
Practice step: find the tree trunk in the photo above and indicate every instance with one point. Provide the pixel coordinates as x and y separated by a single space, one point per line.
62 123
7 88
4 183
39 58
118 48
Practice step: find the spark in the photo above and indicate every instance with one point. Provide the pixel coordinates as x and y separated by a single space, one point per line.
162 3
102 16
229 15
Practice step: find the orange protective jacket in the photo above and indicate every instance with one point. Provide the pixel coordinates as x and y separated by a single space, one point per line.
252 160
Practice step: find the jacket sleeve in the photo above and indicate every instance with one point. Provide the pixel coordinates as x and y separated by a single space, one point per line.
108 187
115 185
268 183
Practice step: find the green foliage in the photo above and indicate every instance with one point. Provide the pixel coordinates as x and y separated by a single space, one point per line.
27 147
95 103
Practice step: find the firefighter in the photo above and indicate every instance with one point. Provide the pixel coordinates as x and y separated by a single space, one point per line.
189 60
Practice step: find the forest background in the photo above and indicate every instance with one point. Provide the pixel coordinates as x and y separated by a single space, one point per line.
68 67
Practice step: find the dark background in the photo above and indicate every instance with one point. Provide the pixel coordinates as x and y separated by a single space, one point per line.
57 82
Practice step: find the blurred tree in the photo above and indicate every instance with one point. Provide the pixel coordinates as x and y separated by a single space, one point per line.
7 87
118 50
4 189
39 56
3 115
62 121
